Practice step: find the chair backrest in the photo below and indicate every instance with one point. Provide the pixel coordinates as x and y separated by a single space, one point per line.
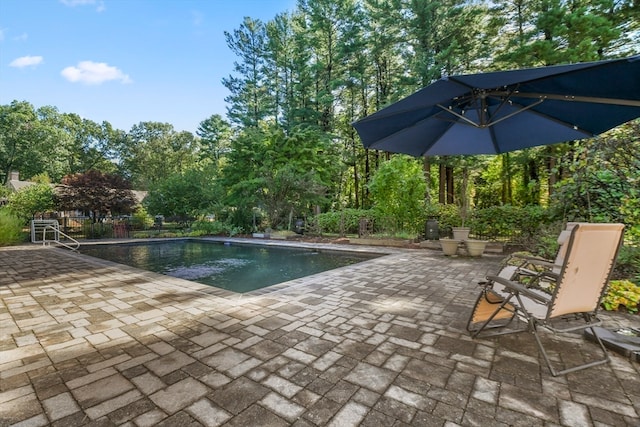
590 256
563 244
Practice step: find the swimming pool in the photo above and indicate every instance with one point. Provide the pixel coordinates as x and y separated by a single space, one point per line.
232 266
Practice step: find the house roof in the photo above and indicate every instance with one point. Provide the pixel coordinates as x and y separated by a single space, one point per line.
139 195
16 185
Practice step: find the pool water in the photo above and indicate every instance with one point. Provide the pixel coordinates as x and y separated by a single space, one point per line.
231 266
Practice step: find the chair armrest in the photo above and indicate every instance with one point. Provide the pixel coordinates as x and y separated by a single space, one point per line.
518 256
540 262
518 288
532 258
530 264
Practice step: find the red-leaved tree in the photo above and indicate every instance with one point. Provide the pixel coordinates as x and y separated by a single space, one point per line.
96 193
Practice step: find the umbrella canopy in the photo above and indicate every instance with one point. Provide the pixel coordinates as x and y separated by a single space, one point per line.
497 112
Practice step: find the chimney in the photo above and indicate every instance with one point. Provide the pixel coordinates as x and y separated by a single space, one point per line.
14 176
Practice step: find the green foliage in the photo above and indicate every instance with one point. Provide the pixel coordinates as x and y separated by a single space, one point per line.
210 228
622 293
37 198
140 219
282 174
398 190
4 192
547 33
215 138
249 95
10 228
602 183
45 141
628 263
519 222
26 141
342 222
545 242
448 216
152 151
184 196
97 230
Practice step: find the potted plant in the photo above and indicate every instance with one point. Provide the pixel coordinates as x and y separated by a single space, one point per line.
475 247
462 232
449 246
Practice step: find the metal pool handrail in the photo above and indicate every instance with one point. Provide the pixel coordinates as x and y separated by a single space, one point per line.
56 238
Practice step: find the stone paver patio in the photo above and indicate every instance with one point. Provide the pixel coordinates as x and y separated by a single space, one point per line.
380 343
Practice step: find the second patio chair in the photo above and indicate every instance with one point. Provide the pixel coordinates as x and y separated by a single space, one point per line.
535 270
570 304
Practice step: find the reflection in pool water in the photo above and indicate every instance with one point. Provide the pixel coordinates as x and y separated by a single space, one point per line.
235 267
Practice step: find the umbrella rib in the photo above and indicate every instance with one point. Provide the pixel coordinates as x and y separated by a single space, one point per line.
490 122
560 122
460 116
572 98
523 109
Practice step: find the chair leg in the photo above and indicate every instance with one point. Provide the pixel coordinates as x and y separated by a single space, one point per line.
555 372
490 307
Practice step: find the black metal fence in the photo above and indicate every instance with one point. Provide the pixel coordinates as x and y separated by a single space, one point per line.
103 228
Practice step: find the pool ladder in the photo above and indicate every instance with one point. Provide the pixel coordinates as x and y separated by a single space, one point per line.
53 226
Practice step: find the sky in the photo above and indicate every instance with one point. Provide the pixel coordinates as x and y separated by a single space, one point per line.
124 61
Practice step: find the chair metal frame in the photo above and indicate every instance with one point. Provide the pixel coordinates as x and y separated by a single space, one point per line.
503 299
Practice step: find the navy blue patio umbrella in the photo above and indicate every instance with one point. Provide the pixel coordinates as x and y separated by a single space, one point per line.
503 111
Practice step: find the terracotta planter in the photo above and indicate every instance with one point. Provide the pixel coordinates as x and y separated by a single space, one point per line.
449 246
475 247
461 233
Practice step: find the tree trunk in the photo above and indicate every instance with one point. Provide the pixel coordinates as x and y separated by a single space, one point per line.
450 187
442 184
507 191
426 167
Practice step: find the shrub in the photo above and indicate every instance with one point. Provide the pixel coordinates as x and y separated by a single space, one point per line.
10 229
397 189
448 216
628 264
210 228
346 221
140 219
169 234
622 293
97 230
518 223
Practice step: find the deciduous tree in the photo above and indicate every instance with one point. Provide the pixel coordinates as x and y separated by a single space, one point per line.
32 200
96 193
183 196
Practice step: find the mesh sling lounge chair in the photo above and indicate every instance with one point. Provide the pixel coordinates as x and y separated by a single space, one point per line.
536 270
574 298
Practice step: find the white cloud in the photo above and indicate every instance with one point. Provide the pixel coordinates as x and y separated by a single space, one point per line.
73 3
26 61
94 73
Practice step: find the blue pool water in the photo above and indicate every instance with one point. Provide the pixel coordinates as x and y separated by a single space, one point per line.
235 267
